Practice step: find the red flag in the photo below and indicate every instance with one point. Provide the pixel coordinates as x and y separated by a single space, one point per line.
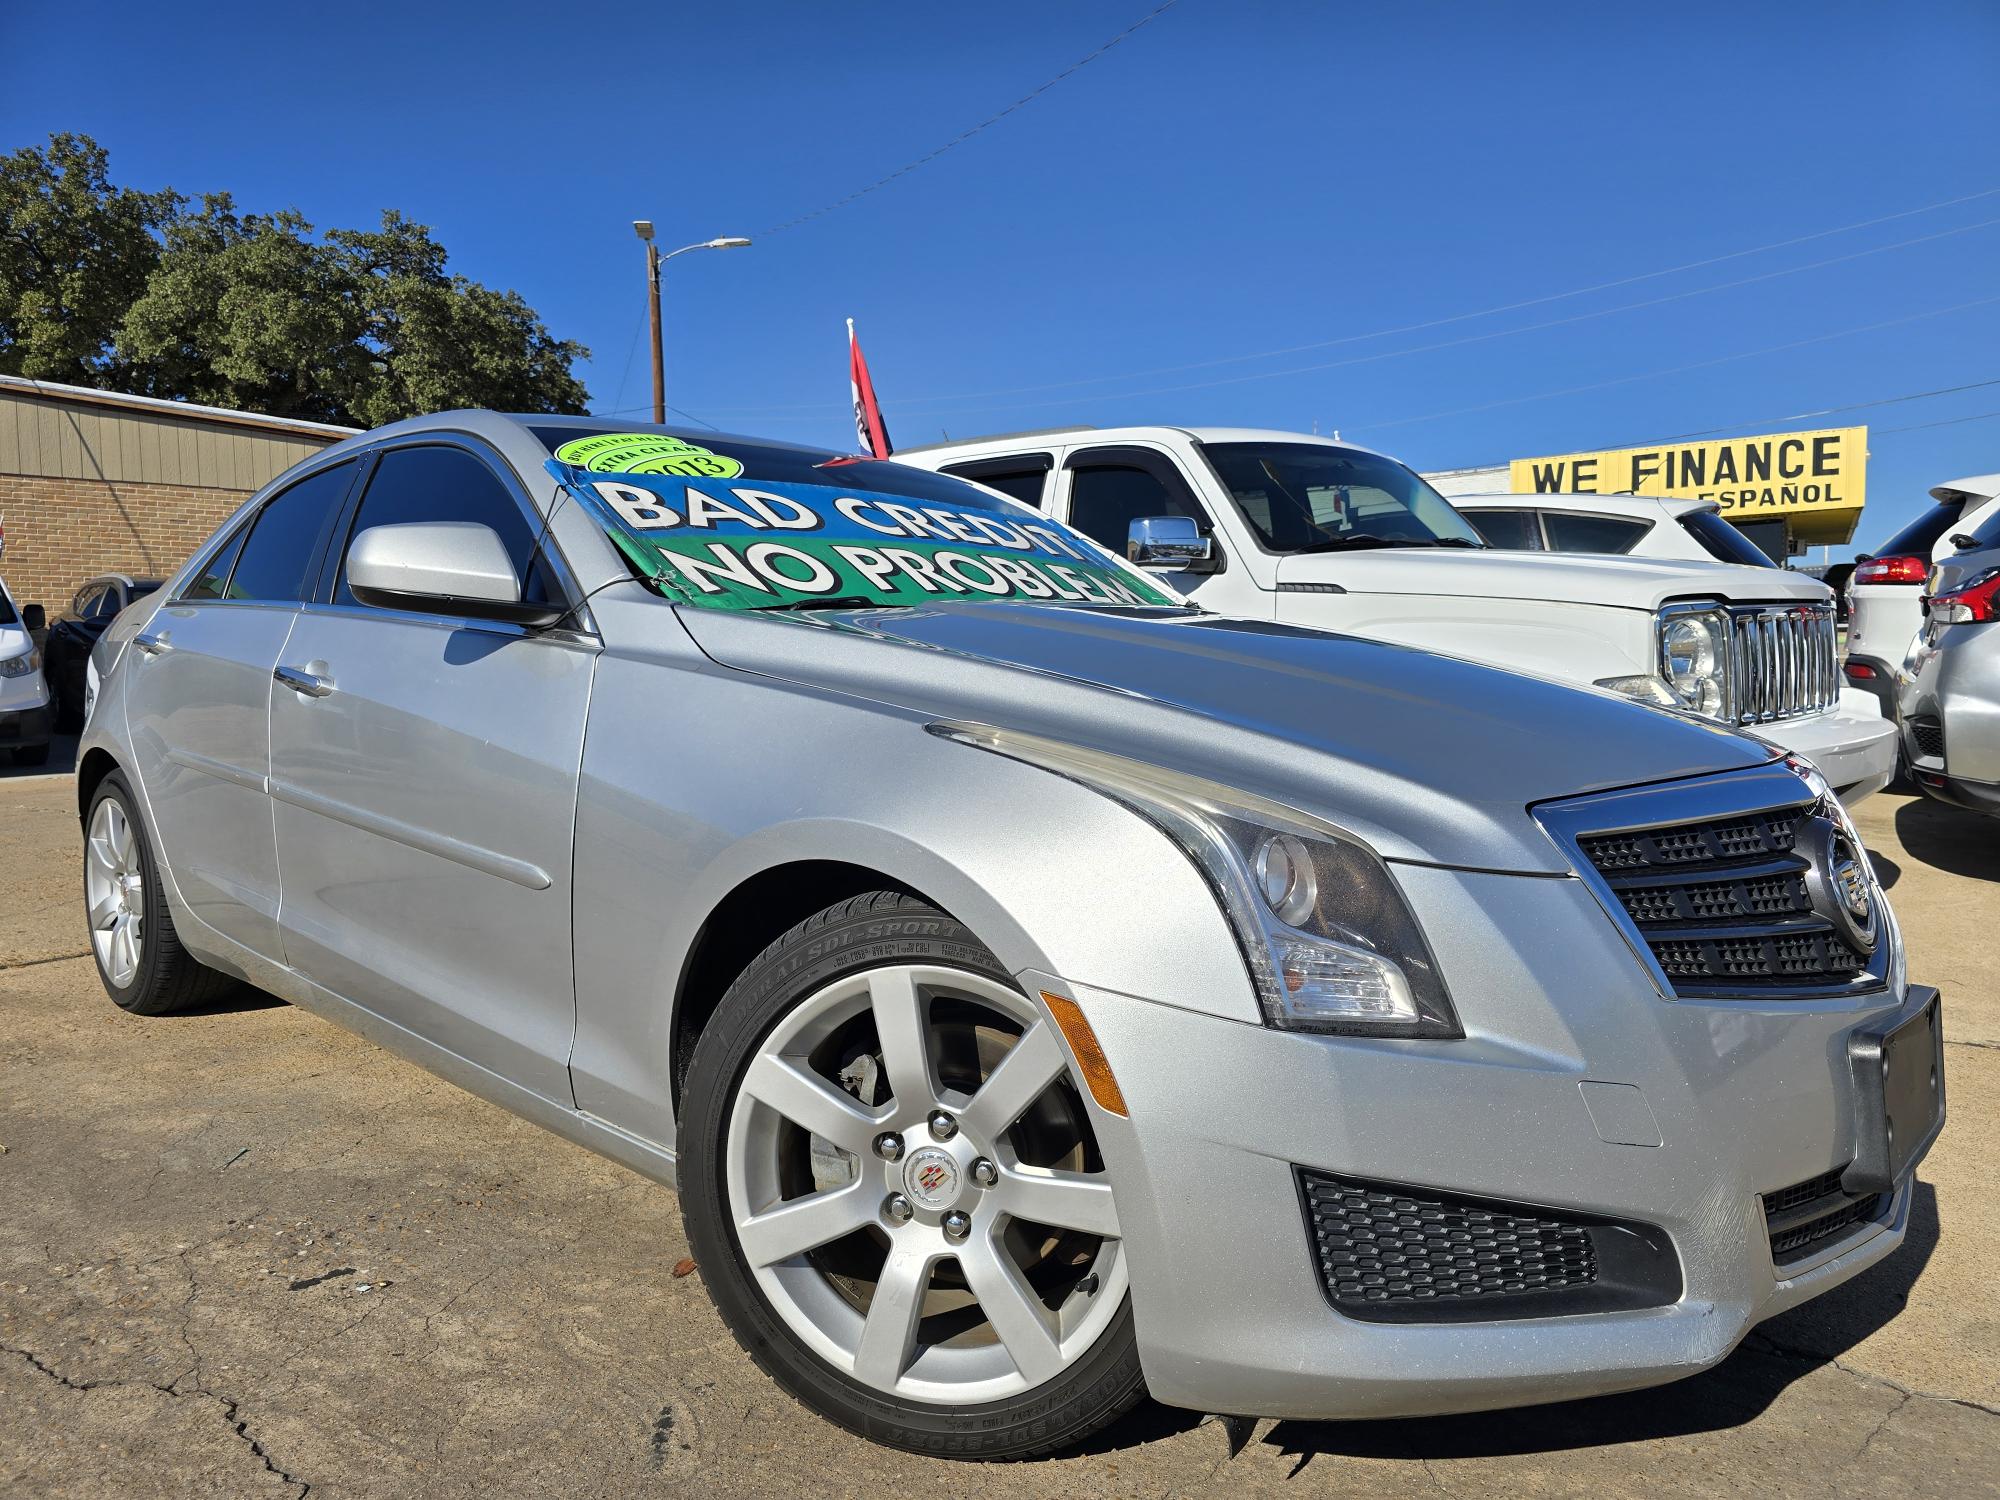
869 429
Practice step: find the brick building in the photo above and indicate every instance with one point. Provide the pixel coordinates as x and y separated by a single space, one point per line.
95 482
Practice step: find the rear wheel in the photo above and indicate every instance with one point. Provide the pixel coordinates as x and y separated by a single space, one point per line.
895 1194
139 955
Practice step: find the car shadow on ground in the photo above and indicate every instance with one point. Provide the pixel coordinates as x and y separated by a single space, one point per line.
1735 1392
1951 839
61 761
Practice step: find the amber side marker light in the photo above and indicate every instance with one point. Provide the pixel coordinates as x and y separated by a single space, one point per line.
1089 1055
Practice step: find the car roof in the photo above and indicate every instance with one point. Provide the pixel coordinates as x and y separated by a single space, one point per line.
1585 500
1143 432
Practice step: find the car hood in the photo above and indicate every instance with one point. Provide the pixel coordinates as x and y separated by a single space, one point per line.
1561 577
1426 757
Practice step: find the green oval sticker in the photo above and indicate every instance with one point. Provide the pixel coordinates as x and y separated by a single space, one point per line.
646 453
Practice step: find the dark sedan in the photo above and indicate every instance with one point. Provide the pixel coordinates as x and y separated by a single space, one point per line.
67 649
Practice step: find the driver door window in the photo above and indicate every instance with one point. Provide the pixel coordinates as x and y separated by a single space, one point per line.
1105 499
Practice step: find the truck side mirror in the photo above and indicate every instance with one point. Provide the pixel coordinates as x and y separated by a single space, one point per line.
34 619
1167 544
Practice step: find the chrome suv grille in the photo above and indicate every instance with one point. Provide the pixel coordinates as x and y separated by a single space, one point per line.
1783 661
1748 900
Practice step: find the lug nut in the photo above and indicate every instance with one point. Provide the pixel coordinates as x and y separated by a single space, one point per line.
889 1146
957 1225
897 1207
985 1173
943 1126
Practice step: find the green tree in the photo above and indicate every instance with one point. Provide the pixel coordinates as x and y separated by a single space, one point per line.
74 253
103 286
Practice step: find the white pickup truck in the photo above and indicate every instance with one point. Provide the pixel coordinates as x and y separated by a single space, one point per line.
1282 526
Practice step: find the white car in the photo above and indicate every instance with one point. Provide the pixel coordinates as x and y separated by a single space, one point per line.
1614 525
26 720
1313 532
1885 595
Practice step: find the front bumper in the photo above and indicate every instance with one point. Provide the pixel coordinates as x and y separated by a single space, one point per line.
1726 1101
26 727
1853 746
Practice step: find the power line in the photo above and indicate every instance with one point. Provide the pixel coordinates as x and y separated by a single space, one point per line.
1984 416
1829 411
966 135
1704 364
1484 312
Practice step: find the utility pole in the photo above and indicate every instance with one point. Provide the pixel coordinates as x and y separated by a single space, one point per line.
644 229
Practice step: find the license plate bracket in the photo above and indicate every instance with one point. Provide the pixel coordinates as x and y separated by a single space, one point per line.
1898 1068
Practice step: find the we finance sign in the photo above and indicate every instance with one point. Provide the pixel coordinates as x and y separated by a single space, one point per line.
1776 475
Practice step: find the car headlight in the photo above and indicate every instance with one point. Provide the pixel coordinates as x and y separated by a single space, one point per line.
20 666
1330 943
1694 659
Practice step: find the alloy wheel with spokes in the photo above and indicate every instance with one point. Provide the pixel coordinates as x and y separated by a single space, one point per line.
114 888
911 1189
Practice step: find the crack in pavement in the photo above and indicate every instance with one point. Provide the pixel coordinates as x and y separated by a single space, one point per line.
1952 1041
35 963
1768 1344
231 1408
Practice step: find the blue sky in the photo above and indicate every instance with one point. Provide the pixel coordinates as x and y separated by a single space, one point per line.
1238 176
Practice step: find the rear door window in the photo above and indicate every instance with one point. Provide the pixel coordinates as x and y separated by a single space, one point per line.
1722 541
1571 532
1514 530
1022 477
279 557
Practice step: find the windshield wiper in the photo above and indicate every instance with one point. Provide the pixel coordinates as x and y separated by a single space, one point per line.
836 601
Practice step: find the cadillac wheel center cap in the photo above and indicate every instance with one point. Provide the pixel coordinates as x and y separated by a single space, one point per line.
932 1178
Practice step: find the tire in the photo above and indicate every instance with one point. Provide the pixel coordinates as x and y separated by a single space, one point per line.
32 755
163 976
1084 1357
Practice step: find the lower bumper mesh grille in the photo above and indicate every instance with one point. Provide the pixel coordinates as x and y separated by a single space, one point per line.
1928 734
1810 1214
1385 1252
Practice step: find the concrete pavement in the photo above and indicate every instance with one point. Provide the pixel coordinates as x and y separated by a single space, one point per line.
243 1253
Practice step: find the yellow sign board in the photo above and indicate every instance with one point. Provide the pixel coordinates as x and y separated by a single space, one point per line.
1780 476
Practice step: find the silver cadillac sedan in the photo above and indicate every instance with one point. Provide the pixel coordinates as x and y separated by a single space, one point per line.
1042 992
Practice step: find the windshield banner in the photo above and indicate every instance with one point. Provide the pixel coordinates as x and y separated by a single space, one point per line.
729 546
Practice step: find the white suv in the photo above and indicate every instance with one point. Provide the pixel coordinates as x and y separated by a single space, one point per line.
1304 530
26 720
1610 525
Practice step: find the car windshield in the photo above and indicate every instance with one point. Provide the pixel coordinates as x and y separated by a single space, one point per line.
736 523
1724 542
1309 497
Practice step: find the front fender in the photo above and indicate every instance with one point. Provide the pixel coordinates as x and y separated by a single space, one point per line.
697 779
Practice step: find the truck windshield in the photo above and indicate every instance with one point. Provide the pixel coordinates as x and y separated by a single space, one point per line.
1310 497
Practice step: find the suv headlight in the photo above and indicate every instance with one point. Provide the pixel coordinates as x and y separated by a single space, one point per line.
1330 943
20 666
1694 663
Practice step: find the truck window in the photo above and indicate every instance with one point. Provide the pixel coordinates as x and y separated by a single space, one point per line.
1104 501
1513 530
1023 477
1570 532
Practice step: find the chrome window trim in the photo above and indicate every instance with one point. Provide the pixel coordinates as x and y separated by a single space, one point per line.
1771 787
586 634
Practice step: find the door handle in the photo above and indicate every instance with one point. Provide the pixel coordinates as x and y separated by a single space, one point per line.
309 683
152 644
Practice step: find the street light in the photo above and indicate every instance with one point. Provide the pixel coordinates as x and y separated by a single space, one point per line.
644 229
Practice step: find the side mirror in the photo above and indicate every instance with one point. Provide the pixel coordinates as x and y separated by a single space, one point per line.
34 619
1167 544
1965 542
442 568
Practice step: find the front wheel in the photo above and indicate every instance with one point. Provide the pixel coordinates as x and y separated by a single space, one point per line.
895 1194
